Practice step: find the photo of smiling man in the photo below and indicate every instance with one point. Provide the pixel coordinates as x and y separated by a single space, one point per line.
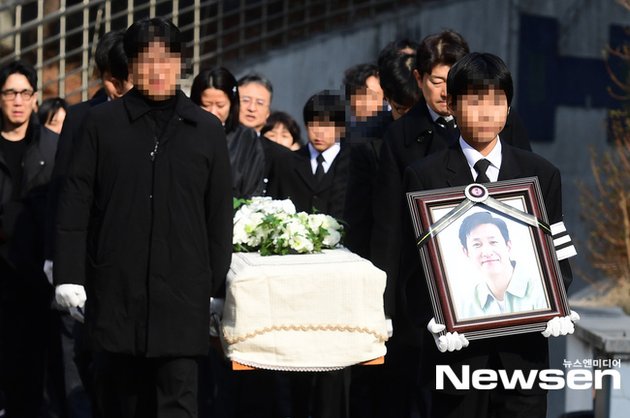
503 285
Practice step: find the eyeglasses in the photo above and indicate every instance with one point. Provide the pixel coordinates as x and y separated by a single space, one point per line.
12 94
247 100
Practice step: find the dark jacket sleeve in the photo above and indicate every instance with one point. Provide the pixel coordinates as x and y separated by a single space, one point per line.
386 232
247 159
74 209
553 203
414 309
358 207
219 214
71 128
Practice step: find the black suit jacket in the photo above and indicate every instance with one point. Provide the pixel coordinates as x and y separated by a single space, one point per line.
409 139
449 168
296 181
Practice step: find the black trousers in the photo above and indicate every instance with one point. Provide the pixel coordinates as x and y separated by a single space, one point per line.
138 387
499 403
31 374
388 390
321 394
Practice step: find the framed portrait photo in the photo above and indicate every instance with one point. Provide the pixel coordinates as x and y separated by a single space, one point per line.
488 257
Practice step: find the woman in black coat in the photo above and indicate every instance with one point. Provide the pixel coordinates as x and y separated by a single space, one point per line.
216 91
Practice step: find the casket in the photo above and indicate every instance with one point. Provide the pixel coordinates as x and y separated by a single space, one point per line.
310 312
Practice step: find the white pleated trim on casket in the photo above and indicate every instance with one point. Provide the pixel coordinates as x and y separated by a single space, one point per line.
307 312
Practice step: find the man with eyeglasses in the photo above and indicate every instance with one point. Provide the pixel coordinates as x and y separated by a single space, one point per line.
27 154
255 94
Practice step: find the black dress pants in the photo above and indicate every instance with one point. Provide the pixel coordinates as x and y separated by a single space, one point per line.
138 387
29 345
497 403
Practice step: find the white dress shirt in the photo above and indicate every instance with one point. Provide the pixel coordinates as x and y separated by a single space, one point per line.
329 156
472 156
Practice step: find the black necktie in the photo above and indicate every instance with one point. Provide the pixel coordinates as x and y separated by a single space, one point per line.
481 166
450 129
319 171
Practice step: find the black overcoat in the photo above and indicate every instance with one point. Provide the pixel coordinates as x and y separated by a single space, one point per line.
145 223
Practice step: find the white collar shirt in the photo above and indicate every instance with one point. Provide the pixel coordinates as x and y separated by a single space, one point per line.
472 156
329 156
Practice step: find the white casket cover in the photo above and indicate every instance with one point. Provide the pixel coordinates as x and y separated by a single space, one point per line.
307 312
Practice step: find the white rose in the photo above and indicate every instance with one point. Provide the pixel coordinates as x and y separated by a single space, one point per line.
332 238
315 221
300 243
287 206
239 234
330 223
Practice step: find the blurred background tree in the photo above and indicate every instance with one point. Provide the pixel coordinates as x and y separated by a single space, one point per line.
606 206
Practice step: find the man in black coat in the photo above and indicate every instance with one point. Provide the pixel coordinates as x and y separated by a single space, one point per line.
27 152
111 63
428 127
145 224
480 92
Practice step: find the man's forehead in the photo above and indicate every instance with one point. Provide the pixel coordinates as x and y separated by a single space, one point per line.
17 79
440 70
494 229
255 89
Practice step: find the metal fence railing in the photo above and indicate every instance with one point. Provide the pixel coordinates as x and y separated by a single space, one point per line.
59 36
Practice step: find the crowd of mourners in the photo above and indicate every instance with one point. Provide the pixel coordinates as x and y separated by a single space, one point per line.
116 222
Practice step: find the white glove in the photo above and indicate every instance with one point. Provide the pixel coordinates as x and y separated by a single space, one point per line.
70 295
216 314
390 327
48 271
451 341
561 325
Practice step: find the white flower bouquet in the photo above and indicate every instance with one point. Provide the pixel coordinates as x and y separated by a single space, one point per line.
273 227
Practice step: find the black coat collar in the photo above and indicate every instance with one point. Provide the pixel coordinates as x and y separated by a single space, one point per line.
418 125
137 107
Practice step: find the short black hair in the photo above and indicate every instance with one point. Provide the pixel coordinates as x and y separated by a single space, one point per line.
49 108
399 46
103 48
397 80
355 77
480 218
259 79
158 29
444 48
19 67
118 62
478 72
286 120
326 106
219 78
